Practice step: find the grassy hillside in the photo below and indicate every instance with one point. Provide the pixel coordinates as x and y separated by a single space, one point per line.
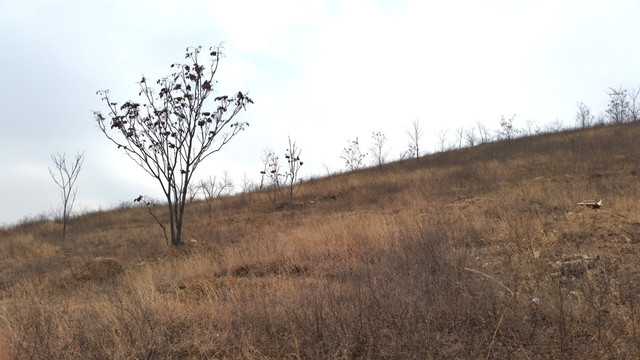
473 253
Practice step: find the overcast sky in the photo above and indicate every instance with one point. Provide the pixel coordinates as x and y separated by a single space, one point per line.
322 72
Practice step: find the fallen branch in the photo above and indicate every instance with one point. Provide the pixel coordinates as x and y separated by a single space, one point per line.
591 203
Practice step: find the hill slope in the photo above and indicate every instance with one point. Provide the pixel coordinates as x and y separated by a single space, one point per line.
478 252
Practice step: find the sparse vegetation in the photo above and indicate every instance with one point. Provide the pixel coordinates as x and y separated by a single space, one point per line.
474 253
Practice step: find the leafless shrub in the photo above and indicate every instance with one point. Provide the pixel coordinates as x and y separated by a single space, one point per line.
484 136
471 137
150 204
212 189
100 269
507 130
352 156
279 181
532 129
553 127
601 119
584 118
192 192
618 110
246 184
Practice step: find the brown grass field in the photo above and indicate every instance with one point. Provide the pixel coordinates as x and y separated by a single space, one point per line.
473 253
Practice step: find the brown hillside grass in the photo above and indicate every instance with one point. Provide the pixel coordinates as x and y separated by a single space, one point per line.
473 253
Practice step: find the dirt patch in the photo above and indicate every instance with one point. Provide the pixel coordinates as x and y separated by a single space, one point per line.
600 228
4 347
601 244
100 269
267 269
464 204
575 265
195 289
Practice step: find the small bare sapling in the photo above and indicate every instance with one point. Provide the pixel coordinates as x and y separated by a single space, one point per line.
65 177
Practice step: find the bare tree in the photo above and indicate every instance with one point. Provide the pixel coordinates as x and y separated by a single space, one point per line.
415 133
409 153
618 109
483 133
281 182
507 131
584 118
634 103
294 164
271 175
470 136
327 169
442 140
601 119
65 177
459 136
377 148
267 154
352 155
192 192
532 128
247 184
173 131
213 189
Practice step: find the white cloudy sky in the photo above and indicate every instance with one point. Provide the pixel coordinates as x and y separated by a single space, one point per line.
319 71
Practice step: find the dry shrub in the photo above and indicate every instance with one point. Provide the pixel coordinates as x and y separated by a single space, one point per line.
273 268
101 269
4 347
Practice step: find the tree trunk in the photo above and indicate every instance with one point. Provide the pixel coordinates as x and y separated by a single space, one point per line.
176 240
172 220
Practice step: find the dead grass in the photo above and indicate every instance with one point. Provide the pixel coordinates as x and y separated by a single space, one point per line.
474 253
